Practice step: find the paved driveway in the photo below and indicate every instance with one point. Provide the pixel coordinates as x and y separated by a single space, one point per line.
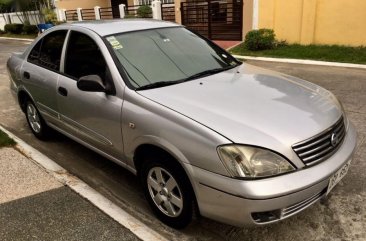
342 217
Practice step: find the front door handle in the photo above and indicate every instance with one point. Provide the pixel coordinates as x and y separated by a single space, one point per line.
26 75
62 91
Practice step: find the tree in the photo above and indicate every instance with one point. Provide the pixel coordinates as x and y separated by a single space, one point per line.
24 8
5 6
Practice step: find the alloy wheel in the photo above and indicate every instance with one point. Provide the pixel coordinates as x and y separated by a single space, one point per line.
33 118
165 191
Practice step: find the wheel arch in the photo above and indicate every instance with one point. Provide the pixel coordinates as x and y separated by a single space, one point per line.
149 148
156 149
23 96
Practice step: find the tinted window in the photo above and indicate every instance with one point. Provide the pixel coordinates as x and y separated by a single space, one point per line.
83 57
34 54
47 52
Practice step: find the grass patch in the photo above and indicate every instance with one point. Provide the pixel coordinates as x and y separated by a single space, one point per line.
10 35
5 140
332 53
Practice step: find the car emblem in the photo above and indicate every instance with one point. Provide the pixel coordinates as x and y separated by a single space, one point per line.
334 139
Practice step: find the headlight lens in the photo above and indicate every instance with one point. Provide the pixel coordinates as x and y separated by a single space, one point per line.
252 162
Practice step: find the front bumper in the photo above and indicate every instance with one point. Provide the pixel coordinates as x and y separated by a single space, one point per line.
240 203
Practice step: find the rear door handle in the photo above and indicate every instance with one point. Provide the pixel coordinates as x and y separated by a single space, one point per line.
26 75
62 91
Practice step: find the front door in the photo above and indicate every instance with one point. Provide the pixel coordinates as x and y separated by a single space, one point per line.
93 117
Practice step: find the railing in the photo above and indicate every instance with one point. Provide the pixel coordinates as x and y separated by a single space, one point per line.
71 15
148 2
88 14
163 11
106 13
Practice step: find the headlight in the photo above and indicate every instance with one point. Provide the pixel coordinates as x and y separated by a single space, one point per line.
252 162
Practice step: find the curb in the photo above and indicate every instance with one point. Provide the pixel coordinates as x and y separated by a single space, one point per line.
19 39
303 61
109 208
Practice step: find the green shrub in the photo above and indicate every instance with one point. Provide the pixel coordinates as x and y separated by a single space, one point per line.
282 43
14 28
260 39
58 22
30 29
2 31
144 11
49 15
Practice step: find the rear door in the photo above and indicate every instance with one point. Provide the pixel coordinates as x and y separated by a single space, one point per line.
93 117
40 73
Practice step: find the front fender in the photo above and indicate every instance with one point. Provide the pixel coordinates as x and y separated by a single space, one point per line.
158 142
147 122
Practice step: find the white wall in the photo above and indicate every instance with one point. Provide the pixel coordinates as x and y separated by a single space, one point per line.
2 22
16 18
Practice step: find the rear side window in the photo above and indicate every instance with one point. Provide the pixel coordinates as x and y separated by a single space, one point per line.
47 52
83 57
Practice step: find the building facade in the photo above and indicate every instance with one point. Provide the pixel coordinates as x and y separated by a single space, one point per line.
341 22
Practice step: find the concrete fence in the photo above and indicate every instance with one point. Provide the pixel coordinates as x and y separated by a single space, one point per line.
98 13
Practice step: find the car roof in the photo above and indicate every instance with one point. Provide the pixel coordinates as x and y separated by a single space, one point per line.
109 27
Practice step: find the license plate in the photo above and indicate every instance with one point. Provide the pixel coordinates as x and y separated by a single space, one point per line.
338 176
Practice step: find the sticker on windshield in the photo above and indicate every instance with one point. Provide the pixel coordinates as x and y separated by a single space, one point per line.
114 42
117 47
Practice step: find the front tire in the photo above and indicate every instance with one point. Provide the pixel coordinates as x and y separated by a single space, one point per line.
35 121
168 191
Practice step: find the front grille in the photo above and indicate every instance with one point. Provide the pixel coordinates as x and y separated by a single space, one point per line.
321 146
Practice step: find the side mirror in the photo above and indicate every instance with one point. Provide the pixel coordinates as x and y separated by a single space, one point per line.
91 83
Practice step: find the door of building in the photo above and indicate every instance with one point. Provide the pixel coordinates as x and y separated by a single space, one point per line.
115 7
214 19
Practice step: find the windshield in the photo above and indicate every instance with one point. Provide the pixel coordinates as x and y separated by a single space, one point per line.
167 56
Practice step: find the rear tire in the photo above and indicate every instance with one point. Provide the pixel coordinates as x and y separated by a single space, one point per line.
35 121
168 191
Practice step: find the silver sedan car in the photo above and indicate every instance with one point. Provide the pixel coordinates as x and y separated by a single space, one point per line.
204 132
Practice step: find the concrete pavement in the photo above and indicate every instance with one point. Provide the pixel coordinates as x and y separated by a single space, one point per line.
343 217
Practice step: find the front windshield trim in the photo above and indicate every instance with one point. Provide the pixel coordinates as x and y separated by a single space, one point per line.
124 74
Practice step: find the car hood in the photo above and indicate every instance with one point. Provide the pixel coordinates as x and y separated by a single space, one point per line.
251 105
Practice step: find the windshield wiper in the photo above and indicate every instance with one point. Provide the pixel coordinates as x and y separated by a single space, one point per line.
208 72
157 85
195 76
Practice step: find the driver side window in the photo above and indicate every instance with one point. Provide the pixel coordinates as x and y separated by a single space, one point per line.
83 57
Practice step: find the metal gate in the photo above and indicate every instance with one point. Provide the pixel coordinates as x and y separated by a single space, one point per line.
214 19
